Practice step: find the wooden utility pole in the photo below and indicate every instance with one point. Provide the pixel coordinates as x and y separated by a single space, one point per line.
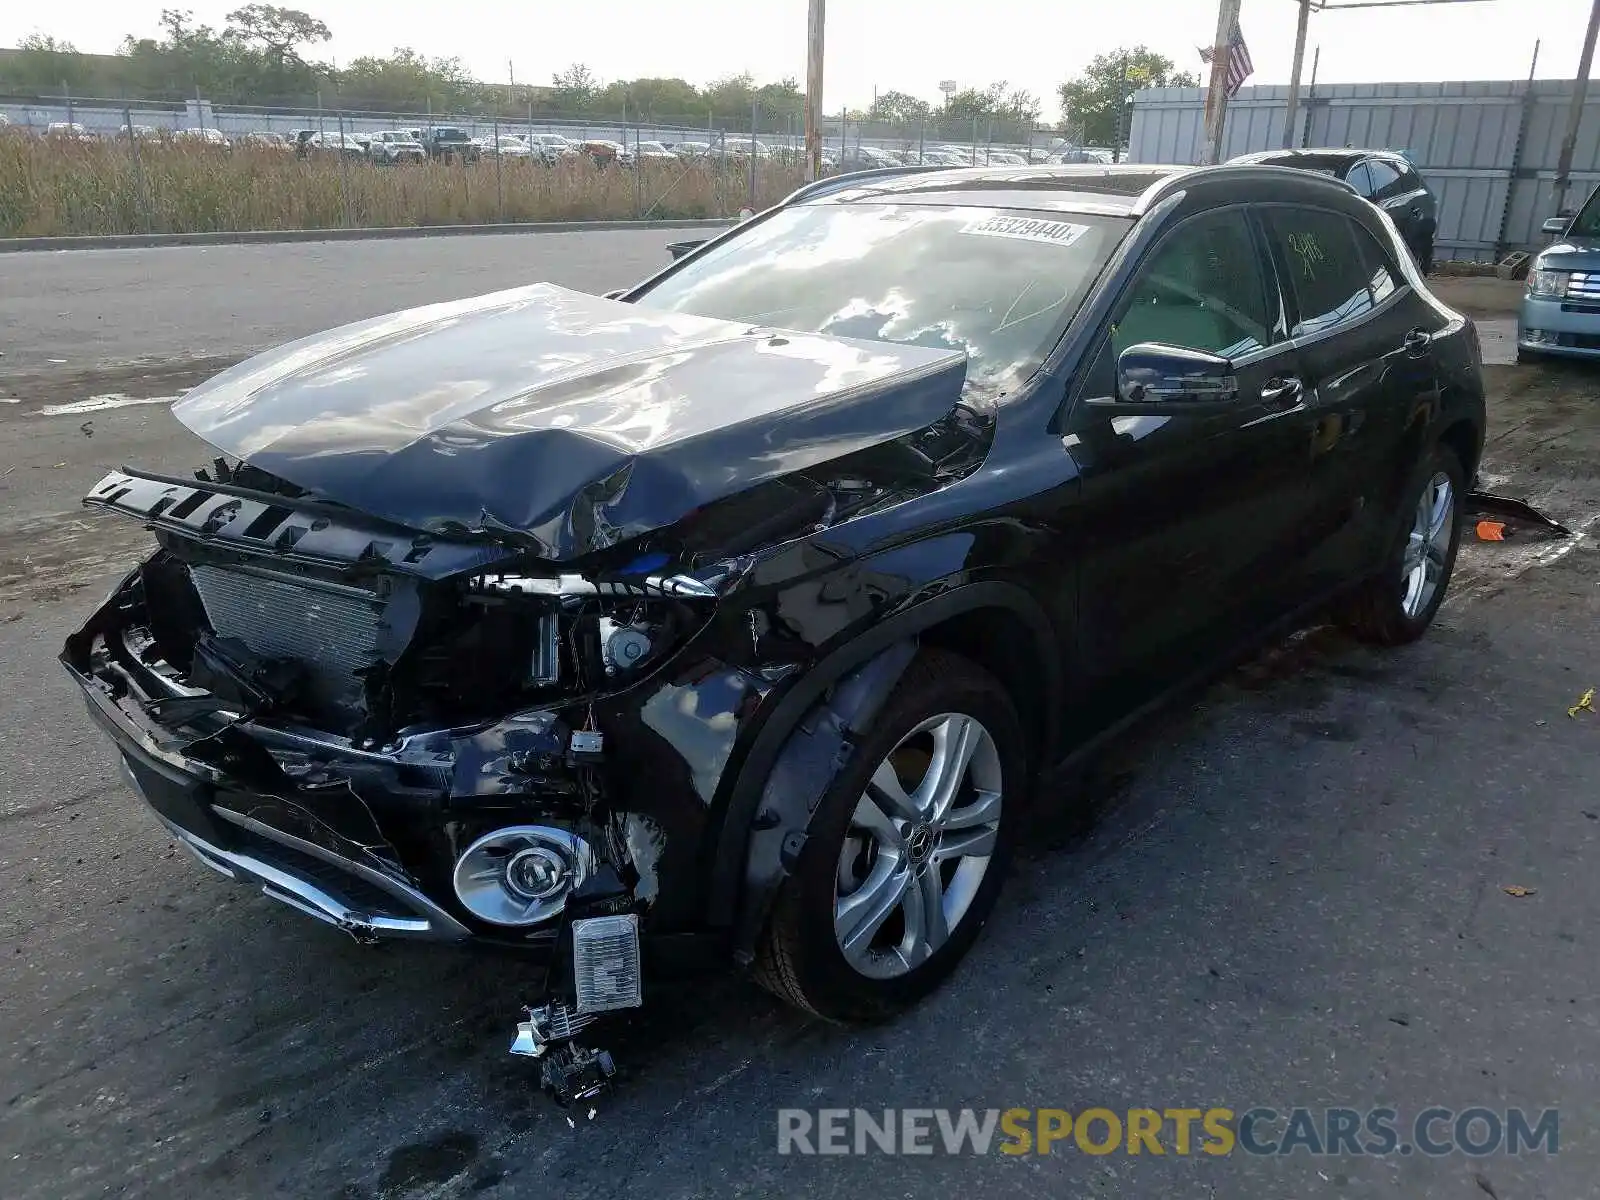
814 90
1293 103
1580 93
1217 93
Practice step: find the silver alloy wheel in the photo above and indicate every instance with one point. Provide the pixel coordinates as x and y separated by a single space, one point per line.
1422 566
918 846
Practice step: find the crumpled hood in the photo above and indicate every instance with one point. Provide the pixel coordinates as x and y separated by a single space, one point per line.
569 421
1571 254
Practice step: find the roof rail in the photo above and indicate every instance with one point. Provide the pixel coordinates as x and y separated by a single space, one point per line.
836 183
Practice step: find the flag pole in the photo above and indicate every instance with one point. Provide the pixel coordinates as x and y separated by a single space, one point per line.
1217 93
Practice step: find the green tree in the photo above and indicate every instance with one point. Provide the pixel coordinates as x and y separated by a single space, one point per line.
1093 104
731 96
898 108
43 64
648 99
407 82
575 88
781 100
278 30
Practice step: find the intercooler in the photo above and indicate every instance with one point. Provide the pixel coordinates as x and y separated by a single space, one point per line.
330 629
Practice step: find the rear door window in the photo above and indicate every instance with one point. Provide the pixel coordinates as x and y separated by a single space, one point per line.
1360 179
1324 266
1382 276
1385 179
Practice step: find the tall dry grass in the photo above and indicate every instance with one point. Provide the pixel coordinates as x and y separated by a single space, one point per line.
54 188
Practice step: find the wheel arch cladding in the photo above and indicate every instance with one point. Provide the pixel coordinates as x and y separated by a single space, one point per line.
809 739
1461 438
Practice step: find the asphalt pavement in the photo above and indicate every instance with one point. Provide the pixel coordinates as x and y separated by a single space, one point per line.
1288 891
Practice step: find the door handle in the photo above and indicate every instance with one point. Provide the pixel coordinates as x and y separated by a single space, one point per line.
1281 392
1418 342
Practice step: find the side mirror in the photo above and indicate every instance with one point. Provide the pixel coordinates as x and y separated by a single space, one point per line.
1159 380
679 249
615 294
1556 225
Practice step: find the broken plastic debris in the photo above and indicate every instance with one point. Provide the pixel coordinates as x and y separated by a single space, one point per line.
591 1114
572 1123
1491 531
1585 704
1513 889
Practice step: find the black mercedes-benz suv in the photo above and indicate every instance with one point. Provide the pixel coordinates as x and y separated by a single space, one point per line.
732 616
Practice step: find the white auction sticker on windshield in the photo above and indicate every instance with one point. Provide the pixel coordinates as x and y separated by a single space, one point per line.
1030 229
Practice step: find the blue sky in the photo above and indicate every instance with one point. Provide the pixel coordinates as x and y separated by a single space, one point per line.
905 44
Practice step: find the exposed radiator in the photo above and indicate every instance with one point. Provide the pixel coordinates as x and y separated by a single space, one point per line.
331 630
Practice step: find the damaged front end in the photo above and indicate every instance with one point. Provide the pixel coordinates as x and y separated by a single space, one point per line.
509 729
381 731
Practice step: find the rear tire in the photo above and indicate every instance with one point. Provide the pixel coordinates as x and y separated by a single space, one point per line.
854 936
1398 604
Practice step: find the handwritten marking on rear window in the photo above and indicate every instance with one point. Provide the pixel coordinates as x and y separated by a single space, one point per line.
1308 250
1029 229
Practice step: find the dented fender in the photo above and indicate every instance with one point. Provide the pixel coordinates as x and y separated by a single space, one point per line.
806 767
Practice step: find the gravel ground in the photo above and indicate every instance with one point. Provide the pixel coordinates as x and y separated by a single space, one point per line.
1287 891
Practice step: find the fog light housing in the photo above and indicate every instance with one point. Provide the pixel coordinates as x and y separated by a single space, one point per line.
521 875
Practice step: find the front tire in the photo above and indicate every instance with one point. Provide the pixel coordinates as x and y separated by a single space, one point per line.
1398 604
907 852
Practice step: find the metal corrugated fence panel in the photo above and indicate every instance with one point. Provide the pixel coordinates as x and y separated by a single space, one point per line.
1462 135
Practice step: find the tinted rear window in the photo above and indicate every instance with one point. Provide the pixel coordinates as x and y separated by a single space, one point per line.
1326 269
999 285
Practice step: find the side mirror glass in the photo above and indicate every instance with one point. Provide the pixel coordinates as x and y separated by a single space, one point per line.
1556 225
679 249
1153 378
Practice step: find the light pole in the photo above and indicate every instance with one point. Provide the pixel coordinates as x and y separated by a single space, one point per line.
1580 92
1292 104
1217 93
814 27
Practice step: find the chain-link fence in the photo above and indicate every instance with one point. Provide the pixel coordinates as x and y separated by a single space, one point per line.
83 165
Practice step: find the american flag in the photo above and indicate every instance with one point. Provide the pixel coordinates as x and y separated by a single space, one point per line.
1240 67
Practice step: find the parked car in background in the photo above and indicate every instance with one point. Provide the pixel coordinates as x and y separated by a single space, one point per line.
69 131
508 146
734 617
300 139
1560 313
143 133
203 136
1382 177
392 146
604 153
450 143
1003 158
333 143
866 158
554 147
653 152
265 139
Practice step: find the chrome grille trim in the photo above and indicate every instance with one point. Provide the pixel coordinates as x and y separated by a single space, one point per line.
1583 285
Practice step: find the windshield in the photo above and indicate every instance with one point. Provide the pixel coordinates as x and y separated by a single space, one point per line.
999 285
1587 223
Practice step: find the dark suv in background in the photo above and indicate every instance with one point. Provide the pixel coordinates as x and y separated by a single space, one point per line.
1380 176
